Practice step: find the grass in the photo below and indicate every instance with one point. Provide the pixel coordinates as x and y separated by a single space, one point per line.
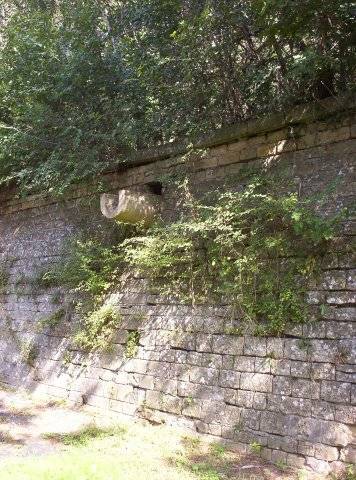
136 452
86 435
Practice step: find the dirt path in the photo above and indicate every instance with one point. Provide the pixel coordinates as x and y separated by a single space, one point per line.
24 421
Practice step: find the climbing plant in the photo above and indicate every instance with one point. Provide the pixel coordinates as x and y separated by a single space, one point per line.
89 273
254 248
82 83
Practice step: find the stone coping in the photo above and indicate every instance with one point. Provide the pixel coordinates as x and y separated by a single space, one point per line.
299 115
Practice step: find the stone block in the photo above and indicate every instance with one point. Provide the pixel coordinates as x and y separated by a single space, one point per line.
305 388
136 366
340 298
279 424
295 461
266 454
348 454
340 329
351 279
244 364
275 347
333 280
244 398
169 386
306 448
204 376
289 405
259 401
324 410
256 382
228 362
319 466
228 344
280 367
337 392
161 401
282 385
204 343
278 456
142 381
192 358
250 419
345 414
287 444
325 452
255 346
325 432
183 340
323 371
191 408
294 349
263 365
346 314
229 378
230 415
211 360
324 350
300 369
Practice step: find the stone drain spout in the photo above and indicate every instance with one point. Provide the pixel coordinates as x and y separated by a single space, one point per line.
131 206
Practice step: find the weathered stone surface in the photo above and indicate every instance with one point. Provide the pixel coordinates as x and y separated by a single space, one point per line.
203 375
256 382
336 391
305 388
295 395
255 346
324 452
229 378
229 344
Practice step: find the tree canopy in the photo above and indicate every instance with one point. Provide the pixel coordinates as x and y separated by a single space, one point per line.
83 82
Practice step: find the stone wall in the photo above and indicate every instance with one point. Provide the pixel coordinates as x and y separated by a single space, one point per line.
293 395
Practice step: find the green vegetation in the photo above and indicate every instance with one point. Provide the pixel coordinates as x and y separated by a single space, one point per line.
84 83
4 278
350 472
256 447
51 321
132 344
113 453
28 352
92 269
255 249
97 328
83 437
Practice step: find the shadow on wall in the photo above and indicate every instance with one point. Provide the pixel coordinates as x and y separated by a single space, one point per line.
290 397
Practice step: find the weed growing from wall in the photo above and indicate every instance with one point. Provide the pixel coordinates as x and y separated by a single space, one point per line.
90 273
255 249
29 352
132 343
51 321
97 329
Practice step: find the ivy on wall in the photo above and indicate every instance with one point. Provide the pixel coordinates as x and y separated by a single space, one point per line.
254 249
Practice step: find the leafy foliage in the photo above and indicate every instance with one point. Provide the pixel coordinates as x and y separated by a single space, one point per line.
84 82
91 270
97 328
254 249
132 343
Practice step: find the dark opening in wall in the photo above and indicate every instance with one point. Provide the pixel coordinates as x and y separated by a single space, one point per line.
155 187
